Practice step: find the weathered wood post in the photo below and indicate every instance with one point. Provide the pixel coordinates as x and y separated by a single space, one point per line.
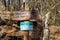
26 35
46 28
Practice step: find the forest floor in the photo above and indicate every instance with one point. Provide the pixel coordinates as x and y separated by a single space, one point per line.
54 32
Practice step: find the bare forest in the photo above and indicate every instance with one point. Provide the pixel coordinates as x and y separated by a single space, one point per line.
42 17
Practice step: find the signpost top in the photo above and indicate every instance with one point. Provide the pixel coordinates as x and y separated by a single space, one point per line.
18 15
21 15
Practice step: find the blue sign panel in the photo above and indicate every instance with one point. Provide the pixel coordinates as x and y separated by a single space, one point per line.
26 25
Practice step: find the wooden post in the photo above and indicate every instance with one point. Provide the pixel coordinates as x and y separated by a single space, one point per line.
26 35
46 29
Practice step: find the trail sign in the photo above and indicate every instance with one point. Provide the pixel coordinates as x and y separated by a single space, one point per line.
21 15
26 25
